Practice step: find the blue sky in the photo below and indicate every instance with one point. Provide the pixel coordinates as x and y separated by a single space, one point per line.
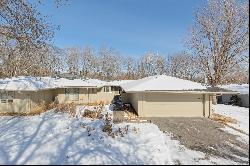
132 27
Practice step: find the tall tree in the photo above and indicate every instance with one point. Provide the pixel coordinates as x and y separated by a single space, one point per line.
220 37
109 63
72 60
24 34
21 23
184 66
129 67
87 61
160 64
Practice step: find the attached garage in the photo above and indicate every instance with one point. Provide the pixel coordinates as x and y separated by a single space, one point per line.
165 96
169 104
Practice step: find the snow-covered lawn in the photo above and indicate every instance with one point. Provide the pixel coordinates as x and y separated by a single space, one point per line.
56 138
241 114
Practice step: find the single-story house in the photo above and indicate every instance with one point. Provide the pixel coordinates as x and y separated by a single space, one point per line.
243 94
165 96
155 96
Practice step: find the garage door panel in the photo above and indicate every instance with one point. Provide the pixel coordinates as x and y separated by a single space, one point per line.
172 105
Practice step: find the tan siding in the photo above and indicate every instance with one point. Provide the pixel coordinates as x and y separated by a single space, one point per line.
26 101
90 95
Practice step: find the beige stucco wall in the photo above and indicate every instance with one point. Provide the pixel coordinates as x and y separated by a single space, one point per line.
87 96
26 101
19 104
169 104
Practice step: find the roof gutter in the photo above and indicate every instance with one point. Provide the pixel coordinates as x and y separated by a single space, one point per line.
59 87
189 92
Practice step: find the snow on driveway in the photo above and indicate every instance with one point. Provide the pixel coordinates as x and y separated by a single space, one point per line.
55 138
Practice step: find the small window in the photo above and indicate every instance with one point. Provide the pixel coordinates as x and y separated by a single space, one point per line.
84 90
92 90
10 101
72 94
99 89
3 101
7 96
106 89
115 88
75 95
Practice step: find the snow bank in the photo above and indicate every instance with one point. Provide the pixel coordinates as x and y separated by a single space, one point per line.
243 89
54 138
161 82
241 114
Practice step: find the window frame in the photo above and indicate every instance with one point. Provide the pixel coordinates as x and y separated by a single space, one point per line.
72 94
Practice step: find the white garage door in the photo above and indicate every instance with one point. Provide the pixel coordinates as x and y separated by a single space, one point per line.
172 105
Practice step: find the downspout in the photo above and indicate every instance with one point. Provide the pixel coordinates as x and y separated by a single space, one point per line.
209 106
29 102
204 105
88 95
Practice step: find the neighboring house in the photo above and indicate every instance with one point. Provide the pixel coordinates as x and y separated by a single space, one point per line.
165 96
242 89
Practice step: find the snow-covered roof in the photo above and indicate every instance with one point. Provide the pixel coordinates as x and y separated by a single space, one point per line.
152 83
63 82
243 89
96 82
41 83
118 82
26 83
161 83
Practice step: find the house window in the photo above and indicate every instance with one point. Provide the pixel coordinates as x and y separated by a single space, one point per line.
72 94
106 89
99 89
92 90
3 101
115 88
6 96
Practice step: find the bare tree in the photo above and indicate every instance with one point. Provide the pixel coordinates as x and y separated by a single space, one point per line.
239 74
160 64
146 65
86 61
184 66
21 23
72 60
220 37
109 63
129 67
25 35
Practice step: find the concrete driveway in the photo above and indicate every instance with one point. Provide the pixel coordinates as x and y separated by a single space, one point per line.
205 135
